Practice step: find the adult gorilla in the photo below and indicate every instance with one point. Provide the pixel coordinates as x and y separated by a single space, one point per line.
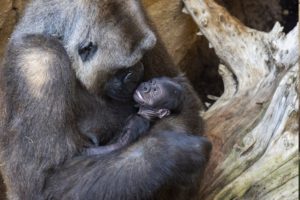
58 61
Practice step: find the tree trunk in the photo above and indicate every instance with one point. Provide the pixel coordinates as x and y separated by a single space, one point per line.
254 124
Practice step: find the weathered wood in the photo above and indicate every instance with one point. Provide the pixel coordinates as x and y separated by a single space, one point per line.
254 125
258 14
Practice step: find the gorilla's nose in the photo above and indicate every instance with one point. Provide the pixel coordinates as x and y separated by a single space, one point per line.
146 88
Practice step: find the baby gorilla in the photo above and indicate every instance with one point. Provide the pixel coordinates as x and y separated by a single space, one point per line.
157 98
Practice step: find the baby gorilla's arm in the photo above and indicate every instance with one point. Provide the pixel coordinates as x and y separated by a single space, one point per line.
136 125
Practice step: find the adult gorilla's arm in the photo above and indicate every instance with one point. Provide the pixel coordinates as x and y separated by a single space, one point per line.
39 125
131 174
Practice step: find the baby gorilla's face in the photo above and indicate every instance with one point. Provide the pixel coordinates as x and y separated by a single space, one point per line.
159 93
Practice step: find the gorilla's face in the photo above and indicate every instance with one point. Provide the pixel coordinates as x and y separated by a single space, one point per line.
118 38
162 92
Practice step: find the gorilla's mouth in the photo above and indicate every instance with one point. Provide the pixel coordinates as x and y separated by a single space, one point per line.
124 82
138 97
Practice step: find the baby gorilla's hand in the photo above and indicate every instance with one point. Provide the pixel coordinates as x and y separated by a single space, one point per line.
135 127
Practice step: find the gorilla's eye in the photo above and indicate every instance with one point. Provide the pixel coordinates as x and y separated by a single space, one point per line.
87 52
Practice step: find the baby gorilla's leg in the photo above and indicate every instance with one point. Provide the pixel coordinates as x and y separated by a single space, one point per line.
135 127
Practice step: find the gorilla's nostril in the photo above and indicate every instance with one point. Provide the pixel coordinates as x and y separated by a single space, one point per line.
146 88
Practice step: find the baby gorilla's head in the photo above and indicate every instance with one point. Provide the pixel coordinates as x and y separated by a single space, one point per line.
158 97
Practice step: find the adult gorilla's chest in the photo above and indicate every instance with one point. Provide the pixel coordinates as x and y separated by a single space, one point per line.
101 120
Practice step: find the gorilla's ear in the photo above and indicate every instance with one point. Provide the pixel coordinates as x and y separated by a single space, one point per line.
163 113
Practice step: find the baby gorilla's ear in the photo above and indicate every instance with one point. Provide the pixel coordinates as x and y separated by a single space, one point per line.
163 113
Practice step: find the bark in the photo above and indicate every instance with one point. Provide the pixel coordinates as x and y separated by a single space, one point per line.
258 14
254 124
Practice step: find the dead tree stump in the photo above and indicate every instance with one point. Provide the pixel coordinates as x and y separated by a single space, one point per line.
254 124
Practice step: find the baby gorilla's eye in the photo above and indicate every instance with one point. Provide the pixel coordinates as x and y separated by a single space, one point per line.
87 52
